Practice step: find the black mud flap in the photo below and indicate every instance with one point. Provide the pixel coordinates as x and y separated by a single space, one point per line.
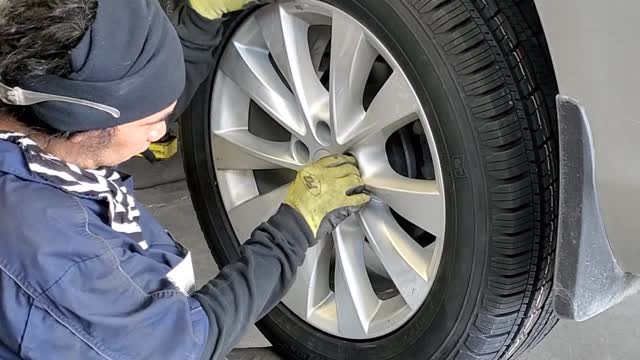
588 278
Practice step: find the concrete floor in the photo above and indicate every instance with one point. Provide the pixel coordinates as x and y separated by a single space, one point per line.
611 336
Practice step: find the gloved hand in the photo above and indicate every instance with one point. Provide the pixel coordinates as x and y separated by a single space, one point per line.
214 9
327 193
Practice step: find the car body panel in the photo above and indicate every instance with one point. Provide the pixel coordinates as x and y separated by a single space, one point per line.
595 50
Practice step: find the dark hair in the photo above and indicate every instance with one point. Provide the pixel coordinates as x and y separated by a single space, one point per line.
36 37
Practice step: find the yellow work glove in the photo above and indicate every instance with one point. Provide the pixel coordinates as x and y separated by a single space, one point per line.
214 9
327 193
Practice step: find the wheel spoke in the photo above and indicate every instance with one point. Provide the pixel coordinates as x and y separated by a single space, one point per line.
248 66
286 37
405 261
311 288
229 156
356 300
393 107
352 58
419 201
248 145
248 215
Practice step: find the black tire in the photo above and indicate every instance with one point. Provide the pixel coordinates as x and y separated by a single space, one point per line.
483 74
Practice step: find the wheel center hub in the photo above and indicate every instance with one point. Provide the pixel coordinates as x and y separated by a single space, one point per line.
320 154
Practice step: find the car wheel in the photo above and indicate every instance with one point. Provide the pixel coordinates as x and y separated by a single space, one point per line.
448 107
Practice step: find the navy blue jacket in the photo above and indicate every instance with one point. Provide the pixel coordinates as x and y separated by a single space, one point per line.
72 288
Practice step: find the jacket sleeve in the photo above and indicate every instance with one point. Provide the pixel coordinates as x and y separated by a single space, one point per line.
103 307
199 37
246 290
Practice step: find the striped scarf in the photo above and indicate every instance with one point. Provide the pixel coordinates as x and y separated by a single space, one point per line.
105 184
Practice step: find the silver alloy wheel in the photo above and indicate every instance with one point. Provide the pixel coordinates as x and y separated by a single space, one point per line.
270 62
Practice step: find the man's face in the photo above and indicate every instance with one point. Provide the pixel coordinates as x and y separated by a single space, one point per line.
133 138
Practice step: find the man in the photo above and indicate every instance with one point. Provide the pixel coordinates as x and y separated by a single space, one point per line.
85 273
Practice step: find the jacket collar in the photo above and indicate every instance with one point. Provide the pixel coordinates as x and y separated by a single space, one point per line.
12 162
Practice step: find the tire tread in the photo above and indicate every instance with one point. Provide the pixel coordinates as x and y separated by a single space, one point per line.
499 55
